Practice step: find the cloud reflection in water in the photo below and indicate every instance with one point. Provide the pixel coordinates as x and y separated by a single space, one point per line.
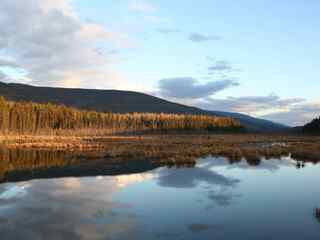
70 208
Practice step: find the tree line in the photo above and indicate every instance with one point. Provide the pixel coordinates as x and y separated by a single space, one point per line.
28 117
313 127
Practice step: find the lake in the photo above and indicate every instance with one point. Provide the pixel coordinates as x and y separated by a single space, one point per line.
273 199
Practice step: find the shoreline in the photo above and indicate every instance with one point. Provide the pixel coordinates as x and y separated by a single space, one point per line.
69 142
175 146
24 157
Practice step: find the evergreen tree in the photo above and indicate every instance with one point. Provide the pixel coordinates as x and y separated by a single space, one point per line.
313 127
27 117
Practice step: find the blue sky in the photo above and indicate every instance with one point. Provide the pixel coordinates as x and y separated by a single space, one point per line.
255 57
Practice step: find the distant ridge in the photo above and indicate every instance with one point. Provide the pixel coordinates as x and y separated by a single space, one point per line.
312 127
120 102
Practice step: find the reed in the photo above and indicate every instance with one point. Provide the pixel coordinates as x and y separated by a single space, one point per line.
178 147
46 152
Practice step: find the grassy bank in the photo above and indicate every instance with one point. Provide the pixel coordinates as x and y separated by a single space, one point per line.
175 147
26 157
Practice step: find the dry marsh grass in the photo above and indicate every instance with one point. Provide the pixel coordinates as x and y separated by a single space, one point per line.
175 147
30 154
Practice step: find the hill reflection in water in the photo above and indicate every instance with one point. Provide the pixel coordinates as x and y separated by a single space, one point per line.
214 198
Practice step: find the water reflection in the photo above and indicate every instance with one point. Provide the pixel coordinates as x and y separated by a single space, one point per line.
190 178
212 184
66 209
213 199
317 214
200 227
23 164
20 160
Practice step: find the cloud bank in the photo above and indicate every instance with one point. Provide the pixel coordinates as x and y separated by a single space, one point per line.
289 111
298 115
190 88
250 104
53 45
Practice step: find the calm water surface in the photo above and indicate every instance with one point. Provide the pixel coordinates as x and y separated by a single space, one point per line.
213 200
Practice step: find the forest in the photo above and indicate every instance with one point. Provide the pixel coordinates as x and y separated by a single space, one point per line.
313 127
34 118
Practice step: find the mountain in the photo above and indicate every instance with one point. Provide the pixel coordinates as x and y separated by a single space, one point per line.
313 127
256 124
119 102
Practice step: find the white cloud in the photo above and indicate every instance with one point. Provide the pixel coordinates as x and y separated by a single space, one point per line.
221 67
255 105
198 37
4 62
289 111
167 30
297 115
54 46
141 6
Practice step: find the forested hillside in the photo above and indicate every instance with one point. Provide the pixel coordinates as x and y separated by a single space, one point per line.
313 127
27 117
121 102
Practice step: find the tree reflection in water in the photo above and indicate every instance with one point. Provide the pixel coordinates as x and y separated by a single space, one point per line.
27 164
216 193
22 164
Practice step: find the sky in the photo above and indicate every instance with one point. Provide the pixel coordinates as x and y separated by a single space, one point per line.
256 57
